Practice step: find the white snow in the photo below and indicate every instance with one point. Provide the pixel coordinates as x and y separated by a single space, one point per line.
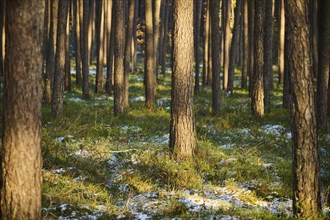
76 99
276 130
83 153
138 99
163 101
60 139
132 129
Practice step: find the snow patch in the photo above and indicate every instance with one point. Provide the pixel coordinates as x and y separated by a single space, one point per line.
276 130
76 99
138 99
129 129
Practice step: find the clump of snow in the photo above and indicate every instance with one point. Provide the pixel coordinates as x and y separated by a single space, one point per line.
227 161
129 129
159 140
267 165
83 153
59 171
288 135
227 146
163 101
113 161
60 139
79 179
76 99
276 130
138 99
140 79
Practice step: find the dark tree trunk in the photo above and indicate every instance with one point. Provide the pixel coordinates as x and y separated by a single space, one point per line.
226 7
44 42
206 44
134 38
21 150
268 46
156 27
85 50
128 46
197 21
99 32
182 129
77 40
233 48
166 19
58 91
251 44
306 171
245 69
209 59
257 96
2 29
286 81
324 63
281 43
150 76
216 101
110 49
314 34
119 39
67 79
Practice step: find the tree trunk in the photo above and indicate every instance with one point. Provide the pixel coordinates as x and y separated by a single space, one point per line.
2 29
216 101
128 46
281 43
77 40
268 59
287 80
150 76
197 20
182 129
85 50
234 45
67 79
306 171
324 63
251 44
134 39
119 32
156 23
110 49
226 7
45 38
209 59
21 150
166 19
91 18
58 91
257 97
206 44
245 69
314 34
99 32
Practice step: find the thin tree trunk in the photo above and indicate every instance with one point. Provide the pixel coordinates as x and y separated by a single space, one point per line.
281 43
251 44
197 20
134 38
182 128
67 78
91 18
257 97
110 49
209 59
306 170
156 27
166 19
77 40
45 38
324 64
287 80
206 44
149 62
314 34
119 32
99 31
226 7
245 69
85 50
234 45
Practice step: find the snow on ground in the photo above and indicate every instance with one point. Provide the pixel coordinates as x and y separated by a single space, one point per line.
138 99
129 129
277 131
76 99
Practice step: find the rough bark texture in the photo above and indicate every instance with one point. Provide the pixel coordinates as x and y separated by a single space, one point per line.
324 63
206 44
156 23
58 90
150 76
77 41
216 102
99 32
281 43
306 186
182 129
286 81
268 46
21 151
251 44
313 4
234 46
163 56
2 14
110 49
226 7
197 29
134 39
209 59
245 69
257 96
119 38
44 42
85 50
128 46
67 79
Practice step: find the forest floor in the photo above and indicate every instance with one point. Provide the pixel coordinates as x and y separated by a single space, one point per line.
98 166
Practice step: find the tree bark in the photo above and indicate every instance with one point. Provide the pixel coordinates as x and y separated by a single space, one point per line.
150 76
119 37
281 43
166 19
134 39
45 37
67 78
156 27
251 44
306 185
197 21
314 34
226 7
268 47
245 69
110 49
257 97
21 150
233 48
206 43
77 40
85 50
2 29
182 129
99 32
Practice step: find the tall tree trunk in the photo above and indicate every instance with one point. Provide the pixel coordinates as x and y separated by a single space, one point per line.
44 42
166 19
156 23
245 69
58 91
306 170
226 7
268 46
206 44
134 38
119 32
216 101
287 80
67 78
2 29
91 18
257 97
150 76
324 63
21 150
77 40
281 43
314 34
197 21
182 129
110 48
99 32
251 44
85 50
233 48
209 59
128 46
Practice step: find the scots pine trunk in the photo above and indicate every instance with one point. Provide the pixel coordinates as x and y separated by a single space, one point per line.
206 43
166 20
281 43
182 128
226 7
156 27
110 49
306 170
99 32
197 28
85 50
77 40
21 150
245 69
67 78
251 44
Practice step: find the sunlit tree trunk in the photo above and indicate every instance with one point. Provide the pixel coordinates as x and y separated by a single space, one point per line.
85 50
206 43
2 29
245 24
164 42
281 43
251 44
21 150
156 28
197 21
77 40
182 128
226 7
99 37
110 49
44 42
67 78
